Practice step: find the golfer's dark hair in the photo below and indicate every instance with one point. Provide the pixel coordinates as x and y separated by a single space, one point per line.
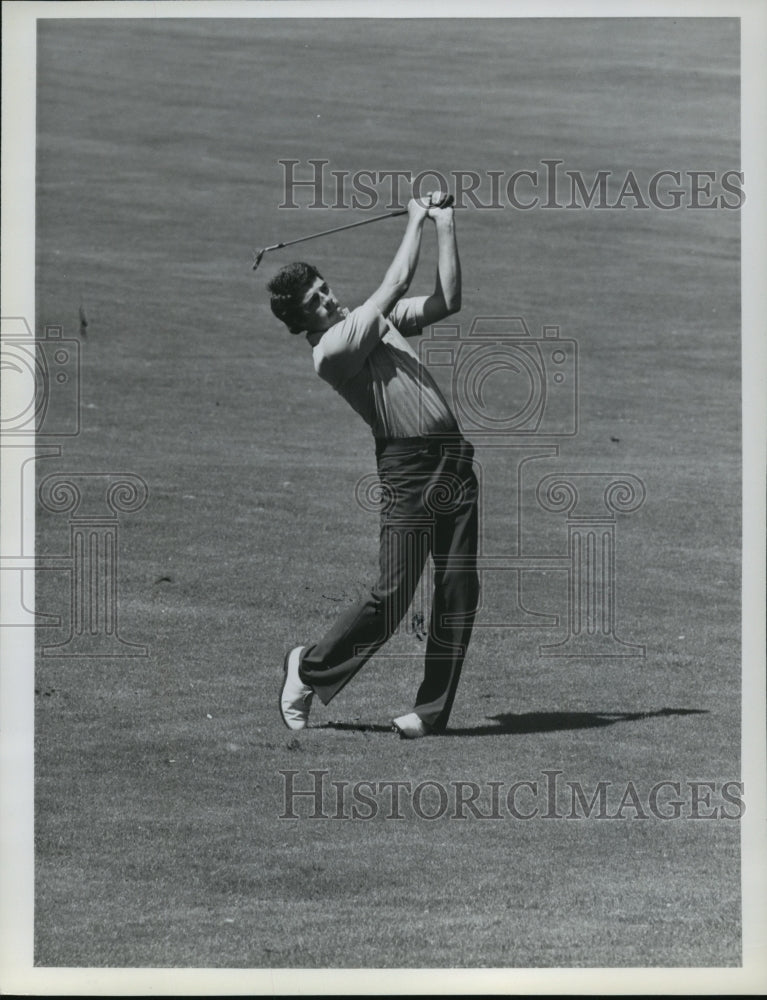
287 288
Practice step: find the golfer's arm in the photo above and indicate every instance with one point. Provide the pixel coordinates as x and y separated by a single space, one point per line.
343 349
446 298
401 270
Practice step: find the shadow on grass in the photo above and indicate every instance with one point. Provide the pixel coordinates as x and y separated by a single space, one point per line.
528 722
545 722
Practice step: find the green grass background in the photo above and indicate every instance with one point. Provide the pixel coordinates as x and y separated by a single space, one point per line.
158 790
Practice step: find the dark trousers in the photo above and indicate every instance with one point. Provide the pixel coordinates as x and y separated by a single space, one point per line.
429 494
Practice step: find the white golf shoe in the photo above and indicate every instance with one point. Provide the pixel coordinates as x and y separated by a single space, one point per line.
295 696
411 727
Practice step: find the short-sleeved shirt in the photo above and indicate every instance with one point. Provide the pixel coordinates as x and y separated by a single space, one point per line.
369 362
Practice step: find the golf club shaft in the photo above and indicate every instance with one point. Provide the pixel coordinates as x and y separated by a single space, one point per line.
338 229
327 232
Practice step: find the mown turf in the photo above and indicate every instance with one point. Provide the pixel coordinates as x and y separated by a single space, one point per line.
158 784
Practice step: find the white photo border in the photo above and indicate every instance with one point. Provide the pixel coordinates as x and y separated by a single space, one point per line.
17 972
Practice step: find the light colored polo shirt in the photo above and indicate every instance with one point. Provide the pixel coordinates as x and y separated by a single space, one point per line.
369 362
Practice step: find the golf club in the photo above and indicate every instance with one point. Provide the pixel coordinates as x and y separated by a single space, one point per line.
352 225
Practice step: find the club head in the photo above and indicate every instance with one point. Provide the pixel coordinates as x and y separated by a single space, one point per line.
259 255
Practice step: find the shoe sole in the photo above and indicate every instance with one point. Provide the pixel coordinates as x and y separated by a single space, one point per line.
282 688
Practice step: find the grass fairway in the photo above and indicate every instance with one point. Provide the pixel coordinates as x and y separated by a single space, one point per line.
159 792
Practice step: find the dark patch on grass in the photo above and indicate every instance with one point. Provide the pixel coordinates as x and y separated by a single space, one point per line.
357 727
543 722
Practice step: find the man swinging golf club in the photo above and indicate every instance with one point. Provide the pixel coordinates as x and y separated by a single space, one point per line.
428 486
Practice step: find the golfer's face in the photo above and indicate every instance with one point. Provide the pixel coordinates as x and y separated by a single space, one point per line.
320 307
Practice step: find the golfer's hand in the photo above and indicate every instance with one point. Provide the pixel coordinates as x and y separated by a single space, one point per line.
441 205
421 208
417 208
442 213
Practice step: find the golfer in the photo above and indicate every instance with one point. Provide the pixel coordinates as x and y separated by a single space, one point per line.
428 486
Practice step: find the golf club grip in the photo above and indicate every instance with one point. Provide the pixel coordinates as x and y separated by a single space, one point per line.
403 211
